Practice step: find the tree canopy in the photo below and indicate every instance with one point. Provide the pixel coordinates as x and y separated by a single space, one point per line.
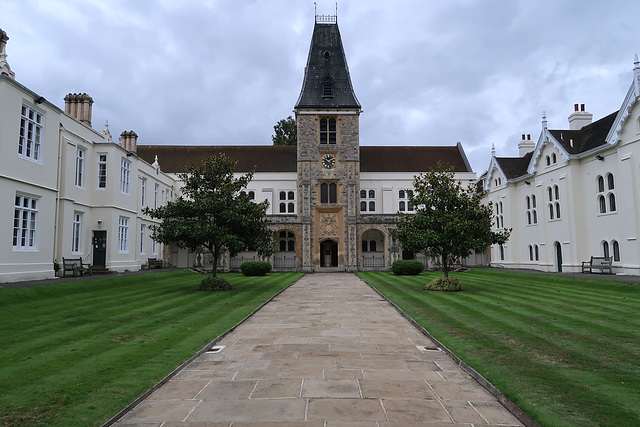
449 220
286 132
215 212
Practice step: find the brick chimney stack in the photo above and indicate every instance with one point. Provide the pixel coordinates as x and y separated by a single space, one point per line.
80 106
579 118
129 141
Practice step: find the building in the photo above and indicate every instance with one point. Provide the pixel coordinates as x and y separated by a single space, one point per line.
573 194
333 203
74 192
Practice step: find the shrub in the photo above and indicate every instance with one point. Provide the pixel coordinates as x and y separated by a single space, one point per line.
407 267
446 284
255 268
215 284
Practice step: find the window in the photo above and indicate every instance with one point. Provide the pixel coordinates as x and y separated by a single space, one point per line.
372 246
548 160
328 131
616 250
166 196
80 167
76 232
600 184
610 196
535 250
123 235
401 206
363 194
553 158
365 246
610 181
154 247
102 171
532 214
125 175
290 207
372 194
25 222
602 204
252 195
327 87
30 134
283 207
554 208
283 195
328 193
530 253
143 191
291 195
287 241
605 249
401 194
155 196
612 202
333 193
142 238
501 253
363 206
405 194
372 206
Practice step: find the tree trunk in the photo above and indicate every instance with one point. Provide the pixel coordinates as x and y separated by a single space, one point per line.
445 264
216 254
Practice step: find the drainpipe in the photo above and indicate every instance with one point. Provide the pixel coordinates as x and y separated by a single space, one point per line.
57 207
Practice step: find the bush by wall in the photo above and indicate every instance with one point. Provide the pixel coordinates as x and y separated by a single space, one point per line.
215 284
255 268
446 284
407 267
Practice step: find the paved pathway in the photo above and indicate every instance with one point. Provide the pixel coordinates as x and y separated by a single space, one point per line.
327 352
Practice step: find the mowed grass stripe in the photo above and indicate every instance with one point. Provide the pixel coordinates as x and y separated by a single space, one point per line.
98 358
560 368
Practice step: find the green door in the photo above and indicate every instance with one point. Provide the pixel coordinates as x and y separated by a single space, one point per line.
100 248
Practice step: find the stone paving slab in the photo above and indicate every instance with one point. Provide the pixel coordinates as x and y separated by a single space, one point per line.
327 352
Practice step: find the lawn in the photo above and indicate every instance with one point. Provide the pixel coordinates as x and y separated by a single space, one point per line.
75 353
565 349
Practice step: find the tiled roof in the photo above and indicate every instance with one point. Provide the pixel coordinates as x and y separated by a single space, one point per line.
272 158
327 59
587 138
514 167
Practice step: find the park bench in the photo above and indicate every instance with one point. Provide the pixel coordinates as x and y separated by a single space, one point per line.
75 265
154 263
599 263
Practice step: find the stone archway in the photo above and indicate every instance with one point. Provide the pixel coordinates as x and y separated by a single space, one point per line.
372 248
328 253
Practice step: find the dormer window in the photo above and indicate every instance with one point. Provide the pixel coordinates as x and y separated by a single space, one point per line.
326 54
327 87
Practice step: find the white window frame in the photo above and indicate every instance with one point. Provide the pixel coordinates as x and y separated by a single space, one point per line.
154 247
25 222
102 172
76 235
155 196
80 156
141 239
143 190
30 139
125 176
123 235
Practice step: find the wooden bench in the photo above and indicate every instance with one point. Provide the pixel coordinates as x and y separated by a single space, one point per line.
599 263
75 265
154 263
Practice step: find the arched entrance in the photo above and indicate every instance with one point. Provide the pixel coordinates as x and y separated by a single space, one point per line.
558 248
329 253
372 248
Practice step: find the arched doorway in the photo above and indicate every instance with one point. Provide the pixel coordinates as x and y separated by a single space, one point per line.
558 248
329 253
285 257
372 248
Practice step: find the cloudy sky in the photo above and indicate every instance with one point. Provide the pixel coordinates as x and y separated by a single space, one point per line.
199 72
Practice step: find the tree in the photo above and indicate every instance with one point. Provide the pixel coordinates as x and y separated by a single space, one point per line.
286 132
214 211
449 220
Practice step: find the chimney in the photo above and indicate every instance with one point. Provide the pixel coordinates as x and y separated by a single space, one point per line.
129 141
79 105
5 69
579 118
526 145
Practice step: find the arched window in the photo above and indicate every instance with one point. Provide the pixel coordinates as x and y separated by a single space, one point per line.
528 202
363 194
548 160
363 206
324 193
612 202
401 194
600 184
533 200
610 181
283 245
372 206
409 206
290 207
535 249
529 217
501 252
557 192
372 194
401 207
291 195
550 193
553 158
616 250
291 245
550 211
557 210
333 193
605 249
252 195
530 253
372 246
535 217
602 204
283 208
283 195
365 246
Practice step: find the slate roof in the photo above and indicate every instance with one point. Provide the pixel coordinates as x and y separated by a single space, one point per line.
514 167
273 158
327 58
587 138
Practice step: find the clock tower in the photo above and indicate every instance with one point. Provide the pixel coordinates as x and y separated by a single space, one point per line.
328 154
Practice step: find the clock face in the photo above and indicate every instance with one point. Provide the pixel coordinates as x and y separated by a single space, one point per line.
328 161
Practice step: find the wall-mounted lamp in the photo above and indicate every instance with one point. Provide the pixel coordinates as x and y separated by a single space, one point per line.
99 223
528 182
599 157
39 99
129 154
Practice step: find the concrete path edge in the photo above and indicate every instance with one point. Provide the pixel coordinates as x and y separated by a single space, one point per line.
515 410
177 370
